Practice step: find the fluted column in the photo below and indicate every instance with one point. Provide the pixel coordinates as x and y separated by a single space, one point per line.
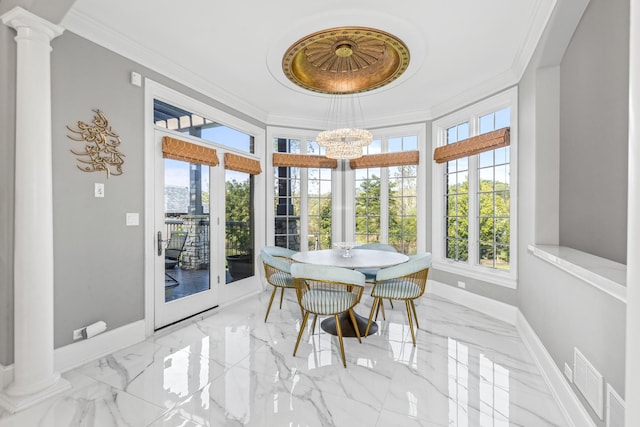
632 376
34 374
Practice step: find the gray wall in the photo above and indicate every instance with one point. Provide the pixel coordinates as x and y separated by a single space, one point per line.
564 311
7 154
98 261
594 132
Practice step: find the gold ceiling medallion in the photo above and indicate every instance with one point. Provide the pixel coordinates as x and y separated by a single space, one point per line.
345 60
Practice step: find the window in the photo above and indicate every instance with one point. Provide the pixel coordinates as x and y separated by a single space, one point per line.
386 198
317 205
303 213
175 118
472 211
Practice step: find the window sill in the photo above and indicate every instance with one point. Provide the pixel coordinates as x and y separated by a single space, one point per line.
482 273
608 276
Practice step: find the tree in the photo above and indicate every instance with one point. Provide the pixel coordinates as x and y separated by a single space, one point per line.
238 215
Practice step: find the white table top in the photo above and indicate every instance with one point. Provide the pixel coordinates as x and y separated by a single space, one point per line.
361 258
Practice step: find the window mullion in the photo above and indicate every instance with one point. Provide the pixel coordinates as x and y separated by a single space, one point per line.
384 205
304 204
474 209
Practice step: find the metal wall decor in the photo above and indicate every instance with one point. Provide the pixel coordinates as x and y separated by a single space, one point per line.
101 149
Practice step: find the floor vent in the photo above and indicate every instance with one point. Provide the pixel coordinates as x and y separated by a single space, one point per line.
589 381
615 408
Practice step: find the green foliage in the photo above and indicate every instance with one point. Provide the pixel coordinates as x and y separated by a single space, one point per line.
494 223
402 219
238 215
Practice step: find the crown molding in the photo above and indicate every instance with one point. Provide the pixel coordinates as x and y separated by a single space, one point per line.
103 36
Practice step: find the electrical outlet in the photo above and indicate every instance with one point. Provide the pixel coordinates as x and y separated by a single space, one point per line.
77 334
568 372
461 284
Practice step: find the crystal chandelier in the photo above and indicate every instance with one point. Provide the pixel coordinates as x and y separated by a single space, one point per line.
345 136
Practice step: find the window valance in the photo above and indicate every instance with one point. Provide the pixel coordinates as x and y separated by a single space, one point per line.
385 160
177 149
303 161
474 145
241 164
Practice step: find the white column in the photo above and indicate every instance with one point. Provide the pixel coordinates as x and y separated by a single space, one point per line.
632 377
34 374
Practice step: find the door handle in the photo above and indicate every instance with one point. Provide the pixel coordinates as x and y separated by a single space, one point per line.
159 243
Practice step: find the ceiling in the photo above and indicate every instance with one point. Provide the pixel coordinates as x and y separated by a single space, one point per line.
461 50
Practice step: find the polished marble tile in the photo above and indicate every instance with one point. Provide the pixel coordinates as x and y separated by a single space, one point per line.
232 368
88 403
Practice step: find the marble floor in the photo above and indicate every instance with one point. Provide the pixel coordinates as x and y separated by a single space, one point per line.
230 368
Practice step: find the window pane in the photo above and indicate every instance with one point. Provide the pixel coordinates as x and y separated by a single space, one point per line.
175 118
239 225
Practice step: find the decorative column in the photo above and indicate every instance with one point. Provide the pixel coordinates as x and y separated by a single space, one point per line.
632 376
34 377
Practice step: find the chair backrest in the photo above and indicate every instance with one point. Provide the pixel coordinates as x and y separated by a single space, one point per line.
377 247
416 263
327 290
327 273
175 245
271 260
277 251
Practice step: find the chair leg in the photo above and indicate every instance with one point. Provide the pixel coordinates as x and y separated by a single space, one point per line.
304 322
313 325
273 294
415 315
281 297
391 302
339 329
355 325
373 309
413 335
381 305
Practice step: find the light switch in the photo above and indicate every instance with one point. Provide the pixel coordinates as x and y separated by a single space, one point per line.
98 189
133 219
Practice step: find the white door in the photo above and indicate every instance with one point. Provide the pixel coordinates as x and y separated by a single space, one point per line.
205 236
186 272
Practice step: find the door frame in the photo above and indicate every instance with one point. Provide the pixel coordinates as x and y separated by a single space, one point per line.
154 90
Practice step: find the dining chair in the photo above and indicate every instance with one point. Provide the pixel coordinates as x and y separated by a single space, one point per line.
327 291
402 282
370 273
277 269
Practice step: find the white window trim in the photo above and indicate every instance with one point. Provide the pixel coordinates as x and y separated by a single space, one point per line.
343 178
472 269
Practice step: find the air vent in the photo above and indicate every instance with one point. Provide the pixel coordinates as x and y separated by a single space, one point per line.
589 381
615 408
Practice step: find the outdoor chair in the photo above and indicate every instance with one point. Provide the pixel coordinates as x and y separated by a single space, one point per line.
172 253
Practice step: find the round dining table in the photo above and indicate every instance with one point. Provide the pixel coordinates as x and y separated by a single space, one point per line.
359 259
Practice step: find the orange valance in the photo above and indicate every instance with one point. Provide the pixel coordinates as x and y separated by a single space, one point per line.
177 149
303 161
385 160
474 145
241 164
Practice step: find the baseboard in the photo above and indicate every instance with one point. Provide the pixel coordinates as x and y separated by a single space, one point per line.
575 414
499 310
81 352
6 376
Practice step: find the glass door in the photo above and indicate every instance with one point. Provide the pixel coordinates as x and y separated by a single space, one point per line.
185 258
